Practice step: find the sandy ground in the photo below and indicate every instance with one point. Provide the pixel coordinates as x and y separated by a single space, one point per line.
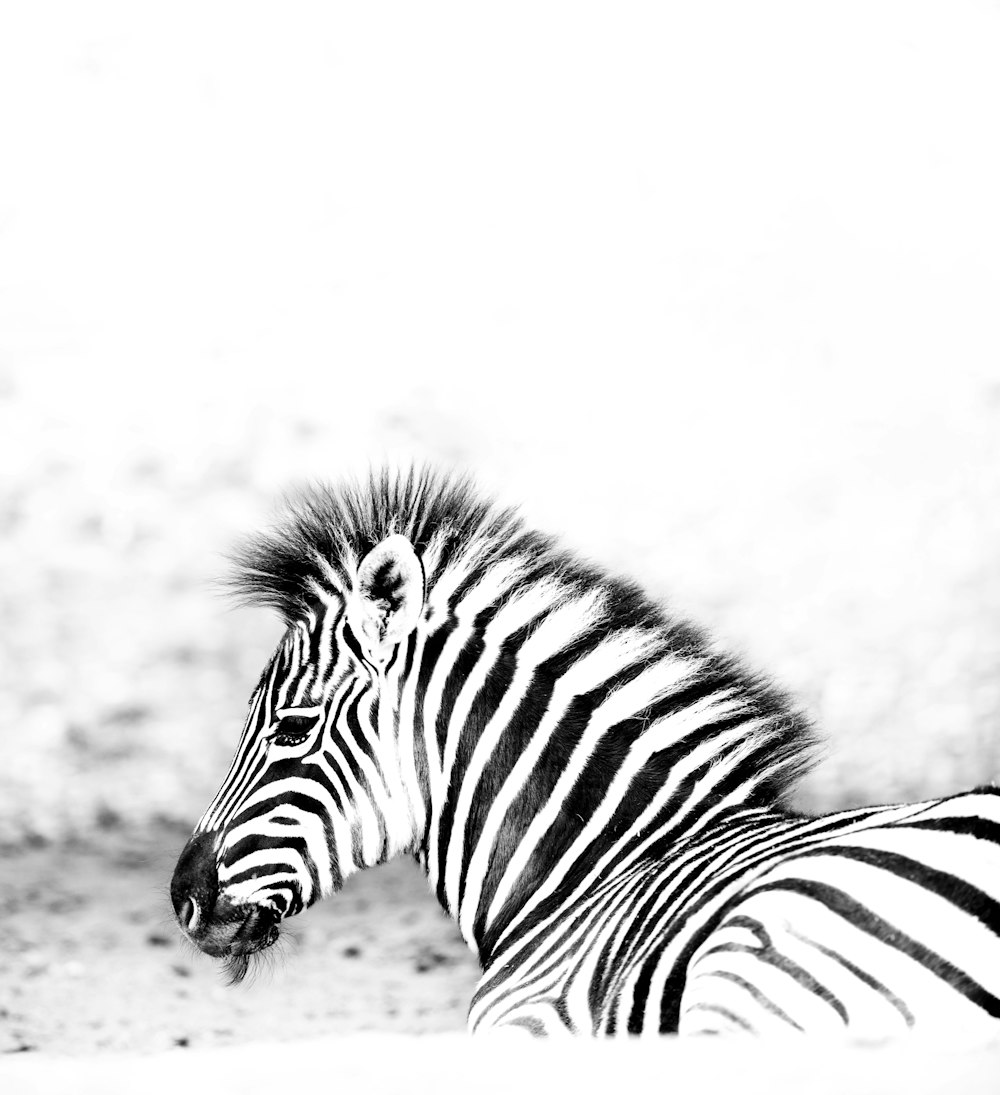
455 1063
100 996
90 961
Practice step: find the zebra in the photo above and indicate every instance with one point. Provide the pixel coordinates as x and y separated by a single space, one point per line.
595 791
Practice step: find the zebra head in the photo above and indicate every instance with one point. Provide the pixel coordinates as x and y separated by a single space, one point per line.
316 789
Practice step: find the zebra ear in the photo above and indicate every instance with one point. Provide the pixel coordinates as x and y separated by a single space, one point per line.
389 596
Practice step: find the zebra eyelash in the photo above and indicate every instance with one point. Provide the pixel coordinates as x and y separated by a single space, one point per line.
292 730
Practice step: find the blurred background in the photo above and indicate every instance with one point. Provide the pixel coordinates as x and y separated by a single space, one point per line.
708 288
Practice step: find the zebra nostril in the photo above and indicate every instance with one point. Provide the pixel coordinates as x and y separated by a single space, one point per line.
190 914
195 883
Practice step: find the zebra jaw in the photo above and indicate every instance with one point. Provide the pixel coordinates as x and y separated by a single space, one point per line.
244 930
237 962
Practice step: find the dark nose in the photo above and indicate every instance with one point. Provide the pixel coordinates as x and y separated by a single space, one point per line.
194 887
212 922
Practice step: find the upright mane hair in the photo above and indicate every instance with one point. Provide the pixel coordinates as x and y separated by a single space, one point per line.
326 527
326 530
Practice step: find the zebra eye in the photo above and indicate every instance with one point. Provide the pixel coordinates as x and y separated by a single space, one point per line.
293 729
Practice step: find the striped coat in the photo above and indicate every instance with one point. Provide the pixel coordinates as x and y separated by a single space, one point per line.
596 794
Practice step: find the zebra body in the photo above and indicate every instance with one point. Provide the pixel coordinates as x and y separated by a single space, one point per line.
776 926
594 792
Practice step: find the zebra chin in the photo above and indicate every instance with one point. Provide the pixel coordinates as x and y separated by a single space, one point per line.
231 932
237 934
237 964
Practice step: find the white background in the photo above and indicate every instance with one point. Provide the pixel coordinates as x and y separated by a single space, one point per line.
710 287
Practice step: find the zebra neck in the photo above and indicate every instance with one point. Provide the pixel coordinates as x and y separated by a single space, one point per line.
547 893
552 735
523 804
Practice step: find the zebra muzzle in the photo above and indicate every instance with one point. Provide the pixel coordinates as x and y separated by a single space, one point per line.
234 929
212 921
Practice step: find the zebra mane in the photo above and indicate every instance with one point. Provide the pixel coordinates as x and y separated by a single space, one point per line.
325 531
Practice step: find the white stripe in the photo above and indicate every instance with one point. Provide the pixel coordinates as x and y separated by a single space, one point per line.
515 614
593 669
659 736
486 592
555 632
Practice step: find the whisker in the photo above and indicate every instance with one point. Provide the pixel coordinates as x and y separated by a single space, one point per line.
235 967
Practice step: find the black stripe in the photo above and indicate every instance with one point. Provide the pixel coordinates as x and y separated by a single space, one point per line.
725 1013
755 993
460 671
958 891
334 722
978 827
352 643
863 918
315 635
489 697
862 975
433 647
640 993
610 966
767 953
544 953
299 799
497 769
354 729
324 778
520 729
533 1026
240 788
256 843
549 768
